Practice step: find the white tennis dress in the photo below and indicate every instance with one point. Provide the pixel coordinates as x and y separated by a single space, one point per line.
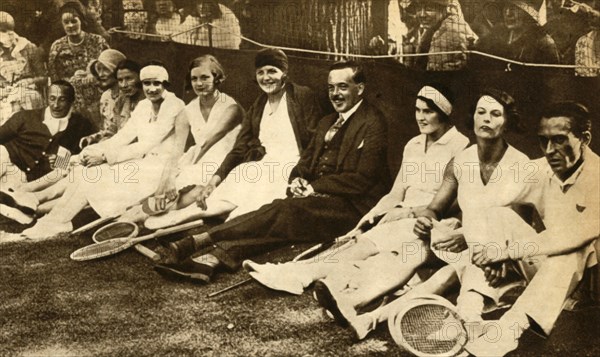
142 148
253 184
202 130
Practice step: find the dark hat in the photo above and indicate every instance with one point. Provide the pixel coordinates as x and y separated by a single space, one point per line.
271 57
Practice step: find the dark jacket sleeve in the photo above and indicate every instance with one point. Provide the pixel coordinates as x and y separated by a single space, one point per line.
10 129
369 167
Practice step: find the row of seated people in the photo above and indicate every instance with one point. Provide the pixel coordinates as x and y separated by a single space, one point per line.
512 29
337 183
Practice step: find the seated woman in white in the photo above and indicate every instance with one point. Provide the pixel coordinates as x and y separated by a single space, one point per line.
214 119
124 169
420 177
255 172
489 174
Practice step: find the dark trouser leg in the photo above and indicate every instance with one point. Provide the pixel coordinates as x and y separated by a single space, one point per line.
309 219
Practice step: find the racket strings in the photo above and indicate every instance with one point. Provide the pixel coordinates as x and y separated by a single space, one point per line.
114 231
100 249
432 329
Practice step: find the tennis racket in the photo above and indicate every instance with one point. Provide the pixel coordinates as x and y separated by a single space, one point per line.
428 326
116 245
124 229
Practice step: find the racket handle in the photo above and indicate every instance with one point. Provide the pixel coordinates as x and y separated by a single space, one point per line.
147 252
231 287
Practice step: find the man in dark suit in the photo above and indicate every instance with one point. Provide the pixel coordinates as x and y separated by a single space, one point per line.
339 177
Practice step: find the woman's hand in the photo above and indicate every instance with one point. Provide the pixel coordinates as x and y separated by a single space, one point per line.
453 241
298 187
423 227
396 214
205 193
487 254
166 191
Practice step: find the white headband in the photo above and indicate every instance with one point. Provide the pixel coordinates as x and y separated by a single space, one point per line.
437 98
154 72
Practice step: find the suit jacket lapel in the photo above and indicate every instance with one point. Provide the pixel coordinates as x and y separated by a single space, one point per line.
355 122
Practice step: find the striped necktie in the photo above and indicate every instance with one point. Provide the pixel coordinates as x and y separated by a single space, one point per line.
334 129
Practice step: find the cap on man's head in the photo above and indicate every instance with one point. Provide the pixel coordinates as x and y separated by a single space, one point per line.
271 57
108 58
7 22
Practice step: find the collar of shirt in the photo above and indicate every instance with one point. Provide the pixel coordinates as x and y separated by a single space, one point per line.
570 181
349 113
443 140
56 125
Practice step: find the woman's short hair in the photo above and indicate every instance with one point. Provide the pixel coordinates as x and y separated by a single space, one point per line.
447 93
131 65
215 68
76 9
511 112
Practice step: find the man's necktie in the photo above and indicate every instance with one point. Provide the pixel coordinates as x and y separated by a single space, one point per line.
334 129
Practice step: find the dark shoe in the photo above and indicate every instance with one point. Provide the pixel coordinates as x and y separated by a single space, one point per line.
186 270
327 300
178 251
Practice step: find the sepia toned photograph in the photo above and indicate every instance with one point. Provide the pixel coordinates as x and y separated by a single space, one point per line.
299 178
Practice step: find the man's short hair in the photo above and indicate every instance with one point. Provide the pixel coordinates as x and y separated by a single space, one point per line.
67 89
358 71
579 115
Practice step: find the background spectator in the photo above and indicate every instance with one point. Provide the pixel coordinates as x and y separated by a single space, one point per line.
70 56
223 31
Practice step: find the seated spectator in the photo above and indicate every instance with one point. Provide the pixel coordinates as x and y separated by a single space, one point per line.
518 37
69 58
30 139
22 71
48 28
224 31
441 27
135 17
587 49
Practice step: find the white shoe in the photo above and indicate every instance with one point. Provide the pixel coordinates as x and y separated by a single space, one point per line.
276 281
173 217
251 266
485 346
15 214
362 325
46 228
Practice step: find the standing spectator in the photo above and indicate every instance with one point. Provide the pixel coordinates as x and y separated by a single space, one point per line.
69 58
135 17
519 36
587 49
441 27
213 25
22 72
167 20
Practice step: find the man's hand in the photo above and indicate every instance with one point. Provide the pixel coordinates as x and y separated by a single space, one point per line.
396 214
423 227
487 254
205 192
495 274
51 159
300 187
368 220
